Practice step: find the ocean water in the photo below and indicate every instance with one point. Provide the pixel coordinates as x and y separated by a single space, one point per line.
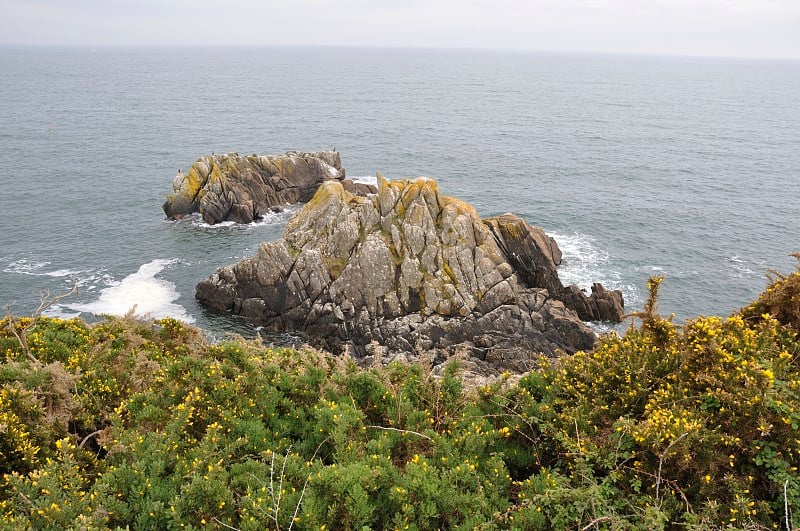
683 167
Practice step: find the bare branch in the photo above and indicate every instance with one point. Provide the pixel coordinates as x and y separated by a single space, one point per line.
302 492
401 431
786 500
86 439
223 524
596 521
46 300
661 463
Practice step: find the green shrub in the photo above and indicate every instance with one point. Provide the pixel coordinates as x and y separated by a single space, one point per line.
780 300
145 425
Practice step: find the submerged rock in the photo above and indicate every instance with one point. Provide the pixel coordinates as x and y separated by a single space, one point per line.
234 188
405 273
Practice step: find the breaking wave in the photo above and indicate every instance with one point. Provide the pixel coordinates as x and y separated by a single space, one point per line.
143 292
585 262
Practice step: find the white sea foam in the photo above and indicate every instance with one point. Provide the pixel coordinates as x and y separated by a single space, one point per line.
277 218
270 218
63 273
32 268
25 267
142 291
93 279
365 179
217 226
584 263
740 268
59 311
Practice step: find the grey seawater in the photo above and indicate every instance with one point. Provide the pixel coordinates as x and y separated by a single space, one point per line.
684 167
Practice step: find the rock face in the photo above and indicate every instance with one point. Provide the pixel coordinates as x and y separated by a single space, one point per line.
403 273
535 255
235 188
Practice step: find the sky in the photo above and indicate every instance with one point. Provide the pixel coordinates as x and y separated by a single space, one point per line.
728 28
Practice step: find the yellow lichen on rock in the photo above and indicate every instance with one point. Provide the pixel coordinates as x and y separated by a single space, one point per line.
243 188
407 267
216 178
330 192
192 183
511 228
461 206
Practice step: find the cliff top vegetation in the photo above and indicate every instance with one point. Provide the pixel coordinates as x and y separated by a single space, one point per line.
138 424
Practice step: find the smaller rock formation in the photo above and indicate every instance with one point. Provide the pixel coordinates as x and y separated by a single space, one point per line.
601 305
405 273
234 188
535 255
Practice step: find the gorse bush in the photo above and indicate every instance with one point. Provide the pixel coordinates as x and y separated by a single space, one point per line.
701 428
780 300
171 433
145 425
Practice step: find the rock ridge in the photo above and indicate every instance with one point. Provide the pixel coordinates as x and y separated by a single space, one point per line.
409 272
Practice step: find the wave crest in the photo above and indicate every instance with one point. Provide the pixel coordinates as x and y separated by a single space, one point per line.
143 292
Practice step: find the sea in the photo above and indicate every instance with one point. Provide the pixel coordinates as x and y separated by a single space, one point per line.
637 165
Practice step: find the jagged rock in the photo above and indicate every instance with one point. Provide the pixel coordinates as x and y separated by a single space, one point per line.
358 188
410 270
532 253
535 255
234 188
601 305
608 303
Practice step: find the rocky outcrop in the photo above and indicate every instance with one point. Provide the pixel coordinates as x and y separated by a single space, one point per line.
404 273
235 188
534 256
602 305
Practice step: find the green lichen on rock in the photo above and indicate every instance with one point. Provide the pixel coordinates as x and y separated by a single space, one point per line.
335 265
449 272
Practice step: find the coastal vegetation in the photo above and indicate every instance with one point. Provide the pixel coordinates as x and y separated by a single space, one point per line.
126 423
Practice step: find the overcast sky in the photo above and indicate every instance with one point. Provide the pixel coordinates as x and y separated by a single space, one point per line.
739 28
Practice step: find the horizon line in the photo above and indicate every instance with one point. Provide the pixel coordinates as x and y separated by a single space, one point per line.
222 46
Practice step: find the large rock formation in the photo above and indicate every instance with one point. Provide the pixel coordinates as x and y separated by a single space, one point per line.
235 188
406 272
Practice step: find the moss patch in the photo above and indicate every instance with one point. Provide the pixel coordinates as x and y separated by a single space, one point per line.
335 265
449 272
